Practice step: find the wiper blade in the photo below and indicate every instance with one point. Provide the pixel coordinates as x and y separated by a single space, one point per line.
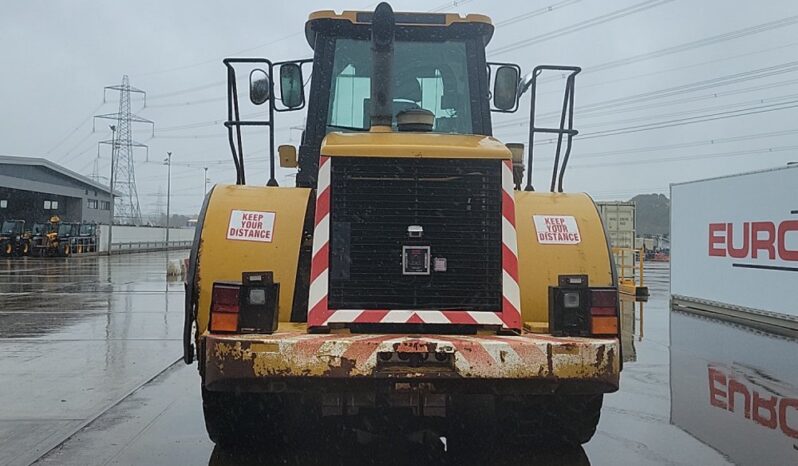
347 128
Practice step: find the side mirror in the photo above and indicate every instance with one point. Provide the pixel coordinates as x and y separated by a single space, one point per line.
505 88
259 86
291 85
287 156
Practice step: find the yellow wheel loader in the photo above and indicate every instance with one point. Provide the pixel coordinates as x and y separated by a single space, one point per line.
53 238
413 279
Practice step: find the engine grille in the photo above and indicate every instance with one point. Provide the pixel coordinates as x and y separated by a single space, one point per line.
458 204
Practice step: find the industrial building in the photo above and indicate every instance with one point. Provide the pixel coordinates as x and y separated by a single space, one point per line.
34 189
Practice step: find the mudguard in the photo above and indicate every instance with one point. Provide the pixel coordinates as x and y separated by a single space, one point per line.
558 234
243 228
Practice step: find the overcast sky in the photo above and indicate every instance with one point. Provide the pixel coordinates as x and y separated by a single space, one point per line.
717 79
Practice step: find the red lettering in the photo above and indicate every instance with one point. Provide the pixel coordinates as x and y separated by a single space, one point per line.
714 239
232 232
766 244
715 393
784 228
735 252
785 426
770 408
737 387
764 409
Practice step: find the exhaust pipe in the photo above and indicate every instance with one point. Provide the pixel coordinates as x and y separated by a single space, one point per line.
382 35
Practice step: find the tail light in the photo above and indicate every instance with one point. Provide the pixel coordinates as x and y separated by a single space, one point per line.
604 311
225 304
247 307
578 310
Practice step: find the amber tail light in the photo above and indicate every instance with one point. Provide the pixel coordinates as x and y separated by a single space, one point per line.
575 309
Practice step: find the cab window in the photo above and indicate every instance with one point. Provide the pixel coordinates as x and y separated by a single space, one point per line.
428 75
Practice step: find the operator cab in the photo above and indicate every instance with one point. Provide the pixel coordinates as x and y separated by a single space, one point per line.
430 76
436 66
12 227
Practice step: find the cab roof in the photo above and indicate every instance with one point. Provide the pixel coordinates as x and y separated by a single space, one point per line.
403 19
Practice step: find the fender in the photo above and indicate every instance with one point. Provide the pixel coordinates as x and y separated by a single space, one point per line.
542 260
224 248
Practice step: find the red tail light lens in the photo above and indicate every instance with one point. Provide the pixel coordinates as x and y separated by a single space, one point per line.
604 311
225 304
603 302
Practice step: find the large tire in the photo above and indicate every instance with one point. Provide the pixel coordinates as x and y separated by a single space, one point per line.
234 419
566 420
471 427
65 249
25 248
8 249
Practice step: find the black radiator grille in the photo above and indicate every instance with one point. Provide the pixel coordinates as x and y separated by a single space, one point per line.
458 204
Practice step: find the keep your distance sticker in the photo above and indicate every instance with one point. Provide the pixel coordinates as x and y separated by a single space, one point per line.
556 229
246 225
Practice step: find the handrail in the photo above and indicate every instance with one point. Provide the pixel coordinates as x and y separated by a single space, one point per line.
150 245
623 267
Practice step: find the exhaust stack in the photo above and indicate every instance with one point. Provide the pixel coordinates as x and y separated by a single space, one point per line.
382 36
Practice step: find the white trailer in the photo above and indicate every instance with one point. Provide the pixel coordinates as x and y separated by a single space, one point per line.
734 250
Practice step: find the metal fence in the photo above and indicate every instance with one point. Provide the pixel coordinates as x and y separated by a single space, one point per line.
148 246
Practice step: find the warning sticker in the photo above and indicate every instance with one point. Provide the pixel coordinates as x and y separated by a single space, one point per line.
556 229
251 226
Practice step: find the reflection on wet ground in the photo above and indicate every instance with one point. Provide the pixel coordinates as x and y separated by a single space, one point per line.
735 388
161 423
77 335
390 455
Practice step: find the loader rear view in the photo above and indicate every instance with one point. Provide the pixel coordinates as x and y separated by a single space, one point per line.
406 282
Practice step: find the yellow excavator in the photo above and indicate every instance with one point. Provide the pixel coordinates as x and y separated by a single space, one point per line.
412 279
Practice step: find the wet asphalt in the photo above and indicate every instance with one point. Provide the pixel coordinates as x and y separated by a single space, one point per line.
89 351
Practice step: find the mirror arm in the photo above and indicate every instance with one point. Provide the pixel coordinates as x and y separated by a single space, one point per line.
272 181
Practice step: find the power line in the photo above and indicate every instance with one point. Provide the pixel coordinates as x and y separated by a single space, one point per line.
737 153
773 100
685 145
75 130
692 99
682 122
682 89
617 80
535 13
687 46
582 25
691 120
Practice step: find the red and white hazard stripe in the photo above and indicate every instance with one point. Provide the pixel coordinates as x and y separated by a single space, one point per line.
319 314
511 302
